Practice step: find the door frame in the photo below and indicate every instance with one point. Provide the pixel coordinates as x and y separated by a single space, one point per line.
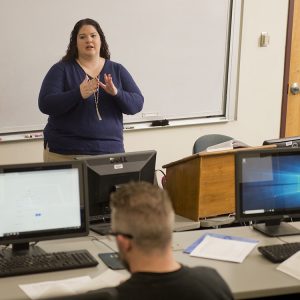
287 60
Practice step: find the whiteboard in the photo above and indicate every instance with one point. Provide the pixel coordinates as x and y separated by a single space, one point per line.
178 52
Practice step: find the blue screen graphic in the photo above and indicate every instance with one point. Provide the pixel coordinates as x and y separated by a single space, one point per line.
270 183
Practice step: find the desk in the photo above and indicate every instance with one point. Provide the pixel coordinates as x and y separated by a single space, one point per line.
184 224
9 286
255 277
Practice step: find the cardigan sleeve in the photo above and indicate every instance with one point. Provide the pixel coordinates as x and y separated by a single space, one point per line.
53 99
129 97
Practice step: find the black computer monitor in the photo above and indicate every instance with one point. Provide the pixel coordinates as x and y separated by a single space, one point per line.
41 201
287 142
268 189
105 173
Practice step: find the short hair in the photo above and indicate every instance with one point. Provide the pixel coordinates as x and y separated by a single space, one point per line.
144 211
72 51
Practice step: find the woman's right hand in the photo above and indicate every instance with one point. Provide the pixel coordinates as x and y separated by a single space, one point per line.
88 87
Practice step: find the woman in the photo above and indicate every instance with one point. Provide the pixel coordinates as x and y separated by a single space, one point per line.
85 95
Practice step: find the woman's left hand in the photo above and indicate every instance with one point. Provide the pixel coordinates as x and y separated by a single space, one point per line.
108 86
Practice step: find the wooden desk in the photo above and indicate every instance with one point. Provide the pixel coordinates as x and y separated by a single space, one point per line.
202 185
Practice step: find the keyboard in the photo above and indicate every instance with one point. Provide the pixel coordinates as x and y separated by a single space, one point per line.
279 252
45 262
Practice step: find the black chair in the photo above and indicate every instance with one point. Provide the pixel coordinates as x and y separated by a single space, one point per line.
209 140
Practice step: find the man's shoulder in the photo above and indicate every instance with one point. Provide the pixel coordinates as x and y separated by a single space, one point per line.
101 294
198 269
200 281
206 281
201 273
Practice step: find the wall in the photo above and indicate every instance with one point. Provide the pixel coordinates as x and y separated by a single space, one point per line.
259 96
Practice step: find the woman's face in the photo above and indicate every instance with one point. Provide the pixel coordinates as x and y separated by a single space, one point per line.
88 41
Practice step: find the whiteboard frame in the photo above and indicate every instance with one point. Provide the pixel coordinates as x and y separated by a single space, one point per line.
232 81
231 89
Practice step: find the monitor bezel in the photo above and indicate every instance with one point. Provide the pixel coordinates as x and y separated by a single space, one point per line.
43 235
267 216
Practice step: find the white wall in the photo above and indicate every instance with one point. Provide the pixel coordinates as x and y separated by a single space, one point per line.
259 96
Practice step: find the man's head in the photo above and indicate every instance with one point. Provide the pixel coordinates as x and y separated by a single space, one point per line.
145 212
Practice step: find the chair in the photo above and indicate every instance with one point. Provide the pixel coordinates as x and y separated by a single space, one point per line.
209 140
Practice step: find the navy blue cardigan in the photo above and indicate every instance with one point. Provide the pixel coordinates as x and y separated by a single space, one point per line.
73 126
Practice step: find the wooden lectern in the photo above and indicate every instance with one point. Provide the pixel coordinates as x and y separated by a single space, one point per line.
203 185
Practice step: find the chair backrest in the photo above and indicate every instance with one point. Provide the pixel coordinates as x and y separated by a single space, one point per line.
209 140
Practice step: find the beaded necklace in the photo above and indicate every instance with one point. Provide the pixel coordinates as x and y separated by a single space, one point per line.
96 98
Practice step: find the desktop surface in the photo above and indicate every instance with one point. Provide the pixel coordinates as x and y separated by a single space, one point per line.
256 277
9 286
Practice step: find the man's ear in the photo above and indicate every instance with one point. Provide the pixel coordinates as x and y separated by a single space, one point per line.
125 244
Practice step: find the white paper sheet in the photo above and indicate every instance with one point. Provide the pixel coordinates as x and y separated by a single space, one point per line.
291 266
72 286
223 249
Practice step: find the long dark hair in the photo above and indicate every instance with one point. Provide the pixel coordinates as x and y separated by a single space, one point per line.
72 51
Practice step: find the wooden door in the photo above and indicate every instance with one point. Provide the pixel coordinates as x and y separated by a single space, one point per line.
290 118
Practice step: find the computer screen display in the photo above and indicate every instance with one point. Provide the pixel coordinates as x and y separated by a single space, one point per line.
105 173
268 188
42 201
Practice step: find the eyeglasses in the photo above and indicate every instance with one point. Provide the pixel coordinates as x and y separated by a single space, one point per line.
116 233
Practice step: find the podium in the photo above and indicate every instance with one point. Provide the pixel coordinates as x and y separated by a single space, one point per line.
203 185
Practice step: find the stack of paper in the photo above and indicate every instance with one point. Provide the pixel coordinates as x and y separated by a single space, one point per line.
228 145
72 286
222 247
291 266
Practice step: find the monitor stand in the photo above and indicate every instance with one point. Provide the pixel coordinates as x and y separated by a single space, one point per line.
22 249
276 229
101 228
101 223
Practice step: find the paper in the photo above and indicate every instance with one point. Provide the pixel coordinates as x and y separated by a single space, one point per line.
234 250
41 290
291 266
109 278
73 286
190 248
228 145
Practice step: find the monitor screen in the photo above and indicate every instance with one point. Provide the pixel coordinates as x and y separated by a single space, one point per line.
41 201
106 173
268 189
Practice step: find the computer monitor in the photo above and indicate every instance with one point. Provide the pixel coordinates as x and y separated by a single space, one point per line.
105 173
268 189
41 201
287 142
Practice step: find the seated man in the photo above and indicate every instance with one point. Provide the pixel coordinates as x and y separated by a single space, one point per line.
142 222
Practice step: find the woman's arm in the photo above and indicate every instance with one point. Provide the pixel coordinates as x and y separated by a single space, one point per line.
53 99
129 97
